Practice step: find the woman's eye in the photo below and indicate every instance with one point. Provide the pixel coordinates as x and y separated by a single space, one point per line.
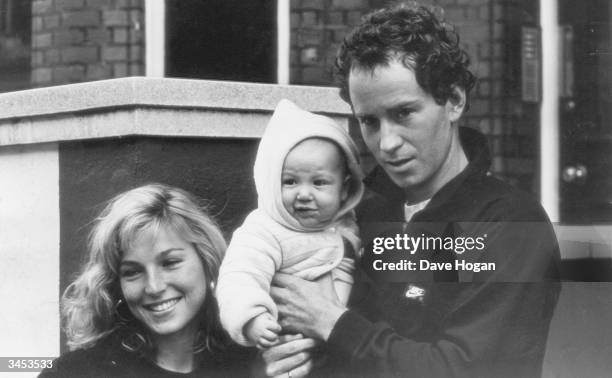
129 273
171 263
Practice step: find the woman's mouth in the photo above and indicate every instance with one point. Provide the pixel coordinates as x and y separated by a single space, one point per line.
162 306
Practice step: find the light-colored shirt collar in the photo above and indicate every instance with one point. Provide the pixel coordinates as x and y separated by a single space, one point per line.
411 209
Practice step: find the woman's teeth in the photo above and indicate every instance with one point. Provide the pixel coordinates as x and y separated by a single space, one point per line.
163 305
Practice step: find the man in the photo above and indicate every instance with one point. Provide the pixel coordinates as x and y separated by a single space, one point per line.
406 79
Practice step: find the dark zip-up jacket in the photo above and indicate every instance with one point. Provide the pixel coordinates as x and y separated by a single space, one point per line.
456 322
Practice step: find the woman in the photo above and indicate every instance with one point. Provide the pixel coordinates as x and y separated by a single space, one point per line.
144 304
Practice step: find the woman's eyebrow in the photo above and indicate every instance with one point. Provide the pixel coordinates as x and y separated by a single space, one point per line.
127 263
161 254
168 251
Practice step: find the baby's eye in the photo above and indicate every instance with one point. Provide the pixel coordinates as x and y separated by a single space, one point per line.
320 182
288 181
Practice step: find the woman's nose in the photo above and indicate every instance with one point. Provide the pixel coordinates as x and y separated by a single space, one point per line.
155 283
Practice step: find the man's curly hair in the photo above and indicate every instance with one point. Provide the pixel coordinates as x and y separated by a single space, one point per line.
414 34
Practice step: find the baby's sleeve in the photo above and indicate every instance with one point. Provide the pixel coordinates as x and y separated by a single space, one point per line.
252 258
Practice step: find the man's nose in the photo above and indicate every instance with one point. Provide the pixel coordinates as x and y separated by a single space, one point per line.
155 284
389 138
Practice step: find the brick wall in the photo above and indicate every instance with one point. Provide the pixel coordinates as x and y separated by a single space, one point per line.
317 29
84 40
520 124
489 31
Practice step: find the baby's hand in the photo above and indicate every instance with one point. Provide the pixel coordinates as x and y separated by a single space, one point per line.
262 330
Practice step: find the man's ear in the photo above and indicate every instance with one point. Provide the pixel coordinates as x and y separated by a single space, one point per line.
456 103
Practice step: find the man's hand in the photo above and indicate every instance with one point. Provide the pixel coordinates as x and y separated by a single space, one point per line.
262 330
291 356
310 308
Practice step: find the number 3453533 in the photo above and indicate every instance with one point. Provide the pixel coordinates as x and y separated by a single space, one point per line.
22 364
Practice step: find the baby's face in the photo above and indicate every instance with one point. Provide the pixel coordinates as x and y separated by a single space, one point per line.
313 182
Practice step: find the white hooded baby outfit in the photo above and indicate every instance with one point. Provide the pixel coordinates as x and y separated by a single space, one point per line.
271 240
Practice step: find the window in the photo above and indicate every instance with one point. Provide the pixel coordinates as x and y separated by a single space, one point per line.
201 43
15 36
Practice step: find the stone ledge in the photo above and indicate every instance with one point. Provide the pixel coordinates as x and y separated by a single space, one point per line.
583 242
166 93
152 106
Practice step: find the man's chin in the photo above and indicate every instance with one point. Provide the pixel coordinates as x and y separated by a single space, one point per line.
405 181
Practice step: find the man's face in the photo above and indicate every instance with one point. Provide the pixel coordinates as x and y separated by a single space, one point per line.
409 134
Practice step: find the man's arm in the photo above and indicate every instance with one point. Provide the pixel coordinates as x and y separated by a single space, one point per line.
490 328
292 355
297 300
496 327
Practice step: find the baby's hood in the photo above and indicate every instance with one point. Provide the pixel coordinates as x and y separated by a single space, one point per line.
288 126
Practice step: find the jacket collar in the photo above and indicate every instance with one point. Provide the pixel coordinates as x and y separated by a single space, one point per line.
474 144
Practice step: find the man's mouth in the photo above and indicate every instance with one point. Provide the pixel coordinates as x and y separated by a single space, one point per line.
398 163
162 306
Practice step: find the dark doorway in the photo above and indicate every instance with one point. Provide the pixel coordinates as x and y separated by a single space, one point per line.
221 40
586 112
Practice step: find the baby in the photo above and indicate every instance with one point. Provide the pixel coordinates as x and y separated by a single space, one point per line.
308 181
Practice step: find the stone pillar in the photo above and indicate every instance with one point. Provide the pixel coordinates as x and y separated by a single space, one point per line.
65 150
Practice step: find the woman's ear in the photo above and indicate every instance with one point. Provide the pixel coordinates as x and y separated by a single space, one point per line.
456 103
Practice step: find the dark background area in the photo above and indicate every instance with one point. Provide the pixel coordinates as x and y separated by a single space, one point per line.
202 43
92 172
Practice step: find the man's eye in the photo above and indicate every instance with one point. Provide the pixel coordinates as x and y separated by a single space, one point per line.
403 113
369 122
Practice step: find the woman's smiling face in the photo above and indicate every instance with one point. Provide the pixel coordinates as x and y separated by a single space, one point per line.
163 282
